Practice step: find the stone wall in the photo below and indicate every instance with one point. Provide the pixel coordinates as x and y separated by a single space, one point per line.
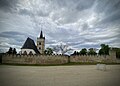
89 58
35 59
54 59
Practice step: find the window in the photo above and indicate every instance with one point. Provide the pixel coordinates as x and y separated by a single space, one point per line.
39 48
25 53
39 43
30 53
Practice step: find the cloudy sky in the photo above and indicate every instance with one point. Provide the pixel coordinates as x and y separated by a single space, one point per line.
77 23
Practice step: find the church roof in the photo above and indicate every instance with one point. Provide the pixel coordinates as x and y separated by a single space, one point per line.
29 44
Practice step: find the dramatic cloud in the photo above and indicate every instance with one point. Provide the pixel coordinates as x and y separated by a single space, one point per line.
78 23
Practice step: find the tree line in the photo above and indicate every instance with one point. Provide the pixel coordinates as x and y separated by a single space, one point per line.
104 50
92 51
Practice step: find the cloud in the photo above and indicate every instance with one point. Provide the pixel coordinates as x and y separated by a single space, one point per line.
83 5
9 6
78 23
109 9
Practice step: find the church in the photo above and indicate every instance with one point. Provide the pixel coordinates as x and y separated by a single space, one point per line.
29 46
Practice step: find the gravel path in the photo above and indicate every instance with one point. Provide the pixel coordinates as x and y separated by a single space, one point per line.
84 75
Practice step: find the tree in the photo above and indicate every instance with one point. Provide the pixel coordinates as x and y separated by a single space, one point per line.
83 51
104 50
64 48
48 51
45 52
92 51
61 48
101 52
76 53
10 51
14 51
56 49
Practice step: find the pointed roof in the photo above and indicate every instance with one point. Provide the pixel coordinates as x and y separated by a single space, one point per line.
41 35
29 44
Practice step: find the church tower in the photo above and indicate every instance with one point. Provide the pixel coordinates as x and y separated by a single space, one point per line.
41 43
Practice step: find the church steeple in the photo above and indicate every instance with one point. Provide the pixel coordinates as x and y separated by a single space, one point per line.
41 34
41 43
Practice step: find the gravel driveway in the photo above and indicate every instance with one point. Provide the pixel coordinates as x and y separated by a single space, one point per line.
82 75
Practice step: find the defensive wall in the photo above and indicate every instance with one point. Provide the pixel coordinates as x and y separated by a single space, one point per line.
34 59
56 59
93 58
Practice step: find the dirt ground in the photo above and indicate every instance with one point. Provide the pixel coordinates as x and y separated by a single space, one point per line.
82 75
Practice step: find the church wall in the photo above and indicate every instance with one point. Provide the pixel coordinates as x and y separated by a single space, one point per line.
28 51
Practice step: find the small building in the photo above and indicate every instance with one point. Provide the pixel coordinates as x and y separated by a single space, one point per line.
29 47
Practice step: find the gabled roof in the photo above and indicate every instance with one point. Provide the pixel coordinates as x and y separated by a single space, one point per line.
29 44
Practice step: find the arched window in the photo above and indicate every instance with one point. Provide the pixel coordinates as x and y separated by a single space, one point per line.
25 53
30 53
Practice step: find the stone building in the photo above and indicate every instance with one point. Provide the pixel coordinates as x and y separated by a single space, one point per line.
41 43
29 46
112 52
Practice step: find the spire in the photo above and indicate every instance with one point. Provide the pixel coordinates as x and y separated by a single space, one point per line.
41 34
